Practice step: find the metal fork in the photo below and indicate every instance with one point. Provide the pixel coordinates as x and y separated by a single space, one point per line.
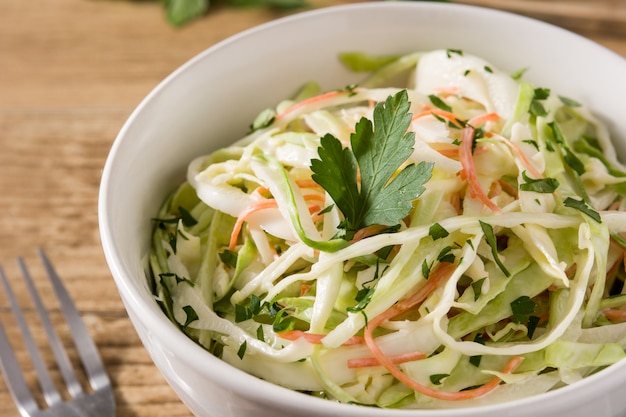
96 400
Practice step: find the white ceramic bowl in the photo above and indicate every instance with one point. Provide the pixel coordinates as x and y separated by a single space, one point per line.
210 101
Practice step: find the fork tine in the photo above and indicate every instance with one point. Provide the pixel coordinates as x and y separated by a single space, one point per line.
87 351
13 373
11 370
63 362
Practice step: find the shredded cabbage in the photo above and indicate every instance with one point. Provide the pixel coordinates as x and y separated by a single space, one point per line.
505 280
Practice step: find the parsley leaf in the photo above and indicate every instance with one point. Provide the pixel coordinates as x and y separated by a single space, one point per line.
541 185
436 231
437 379
493 243
242 349
522 308
378 149
536 107
191 316
581 206
439 103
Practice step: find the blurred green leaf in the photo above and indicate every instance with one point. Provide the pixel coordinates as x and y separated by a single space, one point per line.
180 12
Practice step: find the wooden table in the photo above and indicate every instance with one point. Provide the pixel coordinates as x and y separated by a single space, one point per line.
71 72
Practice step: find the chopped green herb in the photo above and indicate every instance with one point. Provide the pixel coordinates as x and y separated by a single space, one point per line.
436 231
476 359
536 107
326 209
445 255
436 379
191 315
477 286
493 243
451 52
186 217
541 93
488 69
532 142
439 103
426 269
363 297
242 349
541 185
581 206
533 321
242 313
282 323
178 278
522 307
228 258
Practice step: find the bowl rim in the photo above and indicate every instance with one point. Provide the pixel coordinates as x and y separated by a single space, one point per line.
231 377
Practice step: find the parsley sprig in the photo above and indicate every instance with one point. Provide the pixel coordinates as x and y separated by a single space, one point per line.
384 195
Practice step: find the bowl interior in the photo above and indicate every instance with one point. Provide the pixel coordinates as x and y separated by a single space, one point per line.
210 101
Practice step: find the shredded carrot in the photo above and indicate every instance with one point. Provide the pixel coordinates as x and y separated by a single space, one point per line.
446 149
437 276
469 169
309 101
516 149
455 201
307 184
448 90
615 315
495 189
304 288
451 117
258 206
367 231
299 183
314 197
315 338
396 359
508 188
482 119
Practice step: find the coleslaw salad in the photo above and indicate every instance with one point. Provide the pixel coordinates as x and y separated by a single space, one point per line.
451 241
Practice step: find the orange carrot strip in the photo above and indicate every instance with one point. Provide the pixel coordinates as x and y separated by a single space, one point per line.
451 117
516 149
446 149
614 314
469 169
396 359
258 206
438 275
315 338
448 90
508 188
314 197
368 231
307 184
483 118
299 183
308 101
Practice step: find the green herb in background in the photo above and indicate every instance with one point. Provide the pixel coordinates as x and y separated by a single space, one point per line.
181 12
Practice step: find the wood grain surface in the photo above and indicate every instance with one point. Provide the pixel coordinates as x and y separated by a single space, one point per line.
71 72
